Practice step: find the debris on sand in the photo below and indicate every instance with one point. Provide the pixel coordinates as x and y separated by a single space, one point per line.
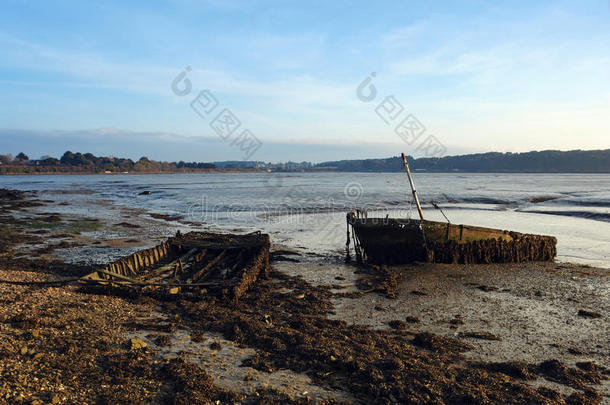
16 199
516 369
480 335
557 371
592 367
419 292
487 288
588 314
192 385
440 344
163 341
127 225
284 255
384 280
398 325
50 218
456 321
166 217
11 195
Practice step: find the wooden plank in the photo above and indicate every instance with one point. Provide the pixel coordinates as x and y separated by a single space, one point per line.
200 274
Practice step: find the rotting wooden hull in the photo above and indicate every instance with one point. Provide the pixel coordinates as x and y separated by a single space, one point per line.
224 265
398 241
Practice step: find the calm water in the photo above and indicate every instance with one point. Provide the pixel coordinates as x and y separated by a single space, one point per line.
308 209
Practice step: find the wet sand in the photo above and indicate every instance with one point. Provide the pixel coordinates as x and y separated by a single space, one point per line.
525 312
317 330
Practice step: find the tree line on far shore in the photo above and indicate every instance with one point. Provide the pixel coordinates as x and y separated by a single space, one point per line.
549 161
89 163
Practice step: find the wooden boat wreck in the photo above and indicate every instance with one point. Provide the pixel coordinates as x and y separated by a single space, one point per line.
224 265
397 241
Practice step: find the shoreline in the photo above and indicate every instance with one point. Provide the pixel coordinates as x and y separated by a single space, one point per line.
216 171
348 332
135 173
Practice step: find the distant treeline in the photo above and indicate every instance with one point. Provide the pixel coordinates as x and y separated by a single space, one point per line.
549 161
89 163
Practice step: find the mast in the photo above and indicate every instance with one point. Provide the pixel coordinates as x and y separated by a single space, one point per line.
408 170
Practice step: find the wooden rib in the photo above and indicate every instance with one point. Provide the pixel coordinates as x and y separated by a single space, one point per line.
200 256
200 274
169 266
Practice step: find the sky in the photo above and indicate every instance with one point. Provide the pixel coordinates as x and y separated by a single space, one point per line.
474 76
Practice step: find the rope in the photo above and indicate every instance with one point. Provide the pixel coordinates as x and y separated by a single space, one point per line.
435 205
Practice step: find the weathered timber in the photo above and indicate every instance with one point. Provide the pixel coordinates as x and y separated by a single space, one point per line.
397 241
169 266
200 275
229 264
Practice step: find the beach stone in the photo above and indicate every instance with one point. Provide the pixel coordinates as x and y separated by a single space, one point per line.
135 344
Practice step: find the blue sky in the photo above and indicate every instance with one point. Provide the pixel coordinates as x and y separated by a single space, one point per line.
479 75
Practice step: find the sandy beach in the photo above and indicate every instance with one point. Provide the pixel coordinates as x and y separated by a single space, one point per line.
316 330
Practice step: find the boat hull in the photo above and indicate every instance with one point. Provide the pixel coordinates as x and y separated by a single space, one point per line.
224 265
398 241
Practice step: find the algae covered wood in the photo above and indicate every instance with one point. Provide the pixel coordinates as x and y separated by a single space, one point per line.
397 241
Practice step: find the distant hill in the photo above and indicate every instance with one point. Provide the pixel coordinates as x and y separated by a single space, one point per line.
548 161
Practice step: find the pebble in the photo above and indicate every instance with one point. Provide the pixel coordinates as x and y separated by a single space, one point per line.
135 343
